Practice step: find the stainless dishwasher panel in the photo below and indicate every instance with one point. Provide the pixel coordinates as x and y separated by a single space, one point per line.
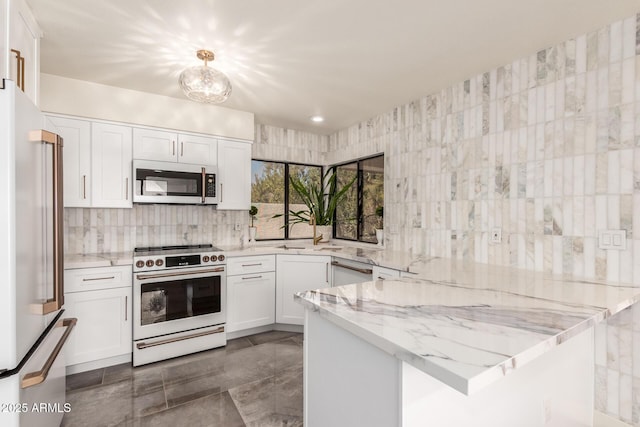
346 272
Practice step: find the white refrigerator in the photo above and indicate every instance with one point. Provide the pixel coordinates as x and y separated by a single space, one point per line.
32 329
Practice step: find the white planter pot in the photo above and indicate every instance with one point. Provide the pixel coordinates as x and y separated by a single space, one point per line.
380 236
252 234
326 231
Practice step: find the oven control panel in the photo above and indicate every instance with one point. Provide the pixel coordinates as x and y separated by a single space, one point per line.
162 262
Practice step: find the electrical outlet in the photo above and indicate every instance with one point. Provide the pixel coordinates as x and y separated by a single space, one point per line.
237 227
496 235
612 239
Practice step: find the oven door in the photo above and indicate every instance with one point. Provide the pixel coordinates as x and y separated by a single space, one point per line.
178 300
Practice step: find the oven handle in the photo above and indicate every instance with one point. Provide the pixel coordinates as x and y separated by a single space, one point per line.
178 273
143 345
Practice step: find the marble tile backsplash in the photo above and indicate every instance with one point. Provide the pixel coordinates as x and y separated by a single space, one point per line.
547 148
120 230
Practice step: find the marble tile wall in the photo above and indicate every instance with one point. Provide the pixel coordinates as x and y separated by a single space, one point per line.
547 148
274 143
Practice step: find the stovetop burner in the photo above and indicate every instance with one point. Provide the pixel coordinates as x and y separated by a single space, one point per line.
174 248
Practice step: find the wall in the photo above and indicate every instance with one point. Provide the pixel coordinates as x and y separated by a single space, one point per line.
548 149
289 145
92 100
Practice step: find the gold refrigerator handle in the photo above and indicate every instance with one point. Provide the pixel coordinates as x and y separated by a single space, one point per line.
57 301
37 377
19 69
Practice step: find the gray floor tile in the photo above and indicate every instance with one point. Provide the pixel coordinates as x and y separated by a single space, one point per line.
215 410
111 404
116 373
238 343
270 336
85 379
273 401
194 389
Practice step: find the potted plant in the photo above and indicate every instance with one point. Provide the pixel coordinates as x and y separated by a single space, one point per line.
321 202
379 229
253 211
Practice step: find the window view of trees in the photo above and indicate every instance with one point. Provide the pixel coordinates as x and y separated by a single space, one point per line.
356 216
272 194
347 212
267 194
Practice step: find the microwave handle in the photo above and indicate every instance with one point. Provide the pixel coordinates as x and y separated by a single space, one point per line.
204 184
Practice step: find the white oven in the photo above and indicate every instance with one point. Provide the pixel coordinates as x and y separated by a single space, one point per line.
179 303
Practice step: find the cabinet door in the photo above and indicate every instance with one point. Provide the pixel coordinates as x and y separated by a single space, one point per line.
250 300
199 150
24 36
76 135
234 169
104 324
297 273
151 144
111 166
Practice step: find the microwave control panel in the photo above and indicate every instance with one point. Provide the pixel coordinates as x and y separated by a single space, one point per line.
210 182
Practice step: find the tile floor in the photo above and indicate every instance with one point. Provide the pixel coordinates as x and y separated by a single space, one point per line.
253 381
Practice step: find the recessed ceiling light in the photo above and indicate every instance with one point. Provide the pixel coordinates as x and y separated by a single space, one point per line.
317 119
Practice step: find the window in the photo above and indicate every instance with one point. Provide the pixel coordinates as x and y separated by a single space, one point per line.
356 217
272 194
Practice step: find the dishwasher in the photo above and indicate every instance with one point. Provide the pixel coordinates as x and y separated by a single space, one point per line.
346 272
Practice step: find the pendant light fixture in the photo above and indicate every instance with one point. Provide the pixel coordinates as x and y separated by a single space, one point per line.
205 84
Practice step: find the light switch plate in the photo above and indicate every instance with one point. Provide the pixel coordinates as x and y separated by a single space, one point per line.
612 239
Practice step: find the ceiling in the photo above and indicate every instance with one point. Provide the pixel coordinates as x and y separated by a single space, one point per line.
291 59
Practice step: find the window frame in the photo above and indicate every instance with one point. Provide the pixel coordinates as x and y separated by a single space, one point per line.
359 196
286 194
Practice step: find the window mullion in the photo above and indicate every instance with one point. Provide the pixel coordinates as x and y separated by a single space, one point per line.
286 200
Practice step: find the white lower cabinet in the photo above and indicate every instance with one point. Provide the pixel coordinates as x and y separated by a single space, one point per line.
100 298
297 273
251 292
251 300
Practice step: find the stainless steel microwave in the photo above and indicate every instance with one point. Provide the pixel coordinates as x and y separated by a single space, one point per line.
177 183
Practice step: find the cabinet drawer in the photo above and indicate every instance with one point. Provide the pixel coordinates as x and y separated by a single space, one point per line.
89 279
250 264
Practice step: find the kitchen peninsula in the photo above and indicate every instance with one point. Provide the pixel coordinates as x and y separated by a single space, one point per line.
463 344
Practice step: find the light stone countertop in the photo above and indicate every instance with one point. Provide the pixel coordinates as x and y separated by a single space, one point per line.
469 324
73 261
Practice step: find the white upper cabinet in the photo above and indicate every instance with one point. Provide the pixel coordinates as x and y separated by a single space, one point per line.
152 144
76 135
199 150
20 45
111 158
167 146
234 171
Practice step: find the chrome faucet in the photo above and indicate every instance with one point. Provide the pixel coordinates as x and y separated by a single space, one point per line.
312 221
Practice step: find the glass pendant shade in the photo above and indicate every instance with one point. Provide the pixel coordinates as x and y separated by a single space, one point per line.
205 84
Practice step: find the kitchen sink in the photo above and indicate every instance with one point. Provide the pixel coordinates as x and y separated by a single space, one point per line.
290 247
